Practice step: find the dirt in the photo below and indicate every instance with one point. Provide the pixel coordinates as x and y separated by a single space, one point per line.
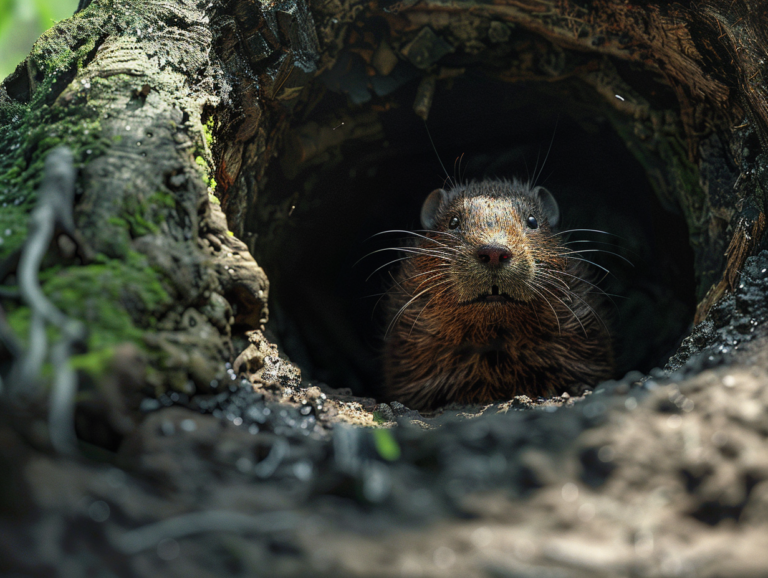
659 475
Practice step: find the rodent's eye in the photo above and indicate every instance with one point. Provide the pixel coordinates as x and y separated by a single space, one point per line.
532 222
453 223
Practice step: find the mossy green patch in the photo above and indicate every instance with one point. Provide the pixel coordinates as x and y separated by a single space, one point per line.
116 299
203 157
206 172
143 216
28 136
95 363
29 131
208 131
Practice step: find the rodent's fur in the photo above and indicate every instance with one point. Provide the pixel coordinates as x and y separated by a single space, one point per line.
463 330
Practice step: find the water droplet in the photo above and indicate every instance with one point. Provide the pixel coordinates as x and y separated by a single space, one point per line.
188 425
99 511
303 470
444 557
570 492
674 421
481 537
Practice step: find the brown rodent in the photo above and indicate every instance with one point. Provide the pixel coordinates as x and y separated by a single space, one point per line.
490 304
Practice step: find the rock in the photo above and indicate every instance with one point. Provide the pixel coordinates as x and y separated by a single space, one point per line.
426 49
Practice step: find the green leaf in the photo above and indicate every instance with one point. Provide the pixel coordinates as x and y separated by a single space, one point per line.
386 444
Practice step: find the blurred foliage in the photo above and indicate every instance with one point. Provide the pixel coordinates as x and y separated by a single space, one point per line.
22 22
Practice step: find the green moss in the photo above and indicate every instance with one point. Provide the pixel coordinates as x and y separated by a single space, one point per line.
95 363
26 137
203 155
206 172
116 299
28 131
208 132
139 216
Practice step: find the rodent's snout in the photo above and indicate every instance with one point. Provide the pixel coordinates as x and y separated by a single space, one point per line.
493 255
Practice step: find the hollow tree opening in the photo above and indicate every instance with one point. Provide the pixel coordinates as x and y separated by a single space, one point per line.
316 223
491 79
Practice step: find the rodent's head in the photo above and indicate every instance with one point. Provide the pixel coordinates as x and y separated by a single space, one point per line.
500 235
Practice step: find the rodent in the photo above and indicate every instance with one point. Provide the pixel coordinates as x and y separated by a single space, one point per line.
489 303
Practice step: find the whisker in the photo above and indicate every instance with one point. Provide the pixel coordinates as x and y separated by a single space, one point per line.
554 277
438 294
384 265
571 293
414 233
421 283
597 251
413 250
446 233
587 231
576 317
599 290
557 319
541 170
591 263
591 309
399 314
434 148
445 266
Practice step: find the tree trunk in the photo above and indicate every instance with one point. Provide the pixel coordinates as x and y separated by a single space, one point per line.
204 134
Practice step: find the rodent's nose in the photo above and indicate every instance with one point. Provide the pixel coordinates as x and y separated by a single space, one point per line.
493 255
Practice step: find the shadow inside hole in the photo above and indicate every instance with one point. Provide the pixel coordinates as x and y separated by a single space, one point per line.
324 313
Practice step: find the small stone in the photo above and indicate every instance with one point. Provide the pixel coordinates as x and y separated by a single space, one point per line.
426 49
384 412
384 59
188 425
149 404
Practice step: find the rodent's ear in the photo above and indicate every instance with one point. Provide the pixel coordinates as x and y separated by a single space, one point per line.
549 204
430 207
